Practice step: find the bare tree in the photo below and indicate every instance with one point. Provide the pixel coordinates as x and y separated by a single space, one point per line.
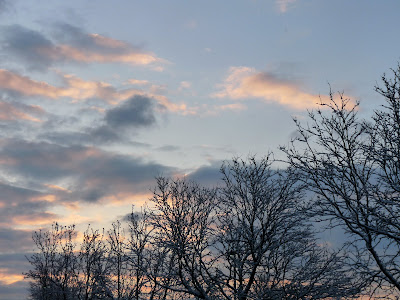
353 168
182 221
269 250
245 240
93 272
55 265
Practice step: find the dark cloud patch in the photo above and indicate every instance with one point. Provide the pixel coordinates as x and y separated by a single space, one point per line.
5 5
90 136
117 174
137 111
168 148
94 173
14 241
118 125
17 194
15 291
104 135
209 176
27 45
40 160
16 263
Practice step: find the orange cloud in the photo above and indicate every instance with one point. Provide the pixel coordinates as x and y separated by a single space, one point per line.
244 82
44 218
8 278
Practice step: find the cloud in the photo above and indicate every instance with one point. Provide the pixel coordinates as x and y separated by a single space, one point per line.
168 148
12 265
70 44
118 124
74 87
244 83
26 86
23 206
14 240
138 111
19 111
137 82
26 45
283 5
79 89
89 173
209 176
184 85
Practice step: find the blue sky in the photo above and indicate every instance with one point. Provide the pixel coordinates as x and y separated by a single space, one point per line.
99 97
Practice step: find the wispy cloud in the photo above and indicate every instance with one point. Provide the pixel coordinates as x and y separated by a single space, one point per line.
245 83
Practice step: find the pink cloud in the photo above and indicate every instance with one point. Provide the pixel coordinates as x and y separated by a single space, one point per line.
27 86
244 83
7 277
103 50
80 89
9 112
36 219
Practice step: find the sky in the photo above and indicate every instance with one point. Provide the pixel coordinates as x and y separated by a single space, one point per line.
97 98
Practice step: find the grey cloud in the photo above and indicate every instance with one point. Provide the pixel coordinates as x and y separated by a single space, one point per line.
39 160
117 174
21 203
102 135
5 5
15 291
137 111
116 126
14 240
209 176
17 194
168 148
94 173
27 45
